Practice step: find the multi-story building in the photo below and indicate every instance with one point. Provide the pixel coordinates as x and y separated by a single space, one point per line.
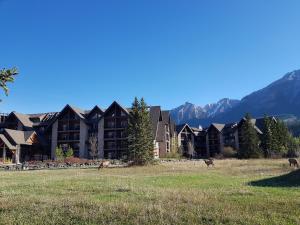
220 136
36 136
186 142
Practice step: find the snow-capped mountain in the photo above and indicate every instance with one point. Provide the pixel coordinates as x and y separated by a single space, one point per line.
220 107
280 98
189 111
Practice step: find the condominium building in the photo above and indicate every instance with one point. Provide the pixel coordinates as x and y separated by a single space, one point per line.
26 137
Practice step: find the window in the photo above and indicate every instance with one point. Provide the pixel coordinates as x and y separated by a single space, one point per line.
109 134
124 123
110 124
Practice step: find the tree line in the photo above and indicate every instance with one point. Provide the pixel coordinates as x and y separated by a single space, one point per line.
275 140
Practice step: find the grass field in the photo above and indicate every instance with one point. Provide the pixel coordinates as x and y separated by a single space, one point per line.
169 193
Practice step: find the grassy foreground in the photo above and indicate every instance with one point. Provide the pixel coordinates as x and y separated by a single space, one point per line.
170 193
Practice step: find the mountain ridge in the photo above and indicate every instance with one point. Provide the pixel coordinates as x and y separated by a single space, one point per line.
281 97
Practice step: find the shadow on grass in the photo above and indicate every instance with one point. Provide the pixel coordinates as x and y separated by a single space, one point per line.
291 179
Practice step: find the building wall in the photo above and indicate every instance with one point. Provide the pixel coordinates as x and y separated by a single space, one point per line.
83 153
162 149
54 139
101 138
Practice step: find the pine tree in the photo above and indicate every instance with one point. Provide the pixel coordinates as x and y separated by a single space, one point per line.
267 139
271 142
249 145
140 138
282 136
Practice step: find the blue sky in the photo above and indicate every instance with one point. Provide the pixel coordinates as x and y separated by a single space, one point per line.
169 51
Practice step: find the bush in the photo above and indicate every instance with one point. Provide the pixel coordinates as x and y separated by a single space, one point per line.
74 160
59 154
69 153
228 152
173 155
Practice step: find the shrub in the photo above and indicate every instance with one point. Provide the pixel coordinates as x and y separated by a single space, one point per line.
173 155
59 154
69 153
74 160
229 152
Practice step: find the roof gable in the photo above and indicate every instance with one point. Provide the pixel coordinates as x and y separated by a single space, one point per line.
218 126
23 118
180 128
95 109
20 137
117 105
155 116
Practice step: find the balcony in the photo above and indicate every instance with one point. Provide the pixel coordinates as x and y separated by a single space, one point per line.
69 128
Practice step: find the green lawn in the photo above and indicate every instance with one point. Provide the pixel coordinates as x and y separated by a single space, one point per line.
170 193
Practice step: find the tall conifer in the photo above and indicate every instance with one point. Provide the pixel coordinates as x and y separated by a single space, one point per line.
249 146
140 138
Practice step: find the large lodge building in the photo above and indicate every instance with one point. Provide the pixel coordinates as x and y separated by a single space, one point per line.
25 137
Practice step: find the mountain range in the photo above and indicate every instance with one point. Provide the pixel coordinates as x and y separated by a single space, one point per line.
281 98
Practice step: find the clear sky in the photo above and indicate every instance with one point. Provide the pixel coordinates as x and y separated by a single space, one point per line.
87 52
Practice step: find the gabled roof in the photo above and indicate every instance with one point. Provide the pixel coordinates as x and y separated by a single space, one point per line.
23 118
195 129
254 122
230 127
90 112
117 104
218 126
19 137
54 116
165 120
7 143
79 112
180 127
155 116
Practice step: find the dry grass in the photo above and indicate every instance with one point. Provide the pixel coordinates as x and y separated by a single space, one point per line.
171 193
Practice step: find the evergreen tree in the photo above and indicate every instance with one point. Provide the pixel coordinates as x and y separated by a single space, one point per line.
282 136
275 137
69 153
267 139
59 154
293 146
140 138
249 145
272 139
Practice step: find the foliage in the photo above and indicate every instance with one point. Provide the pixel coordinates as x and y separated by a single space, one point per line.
93 142
7 76
293 146
275 138
140 137
229 152
294 127
69 153
173 155
59 154
249 145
